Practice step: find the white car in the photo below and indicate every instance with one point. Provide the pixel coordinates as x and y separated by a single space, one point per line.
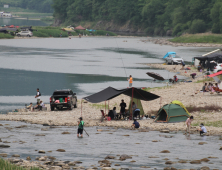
25 33
218 68
173 59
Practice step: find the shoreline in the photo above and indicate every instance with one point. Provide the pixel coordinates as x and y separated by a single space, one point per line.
187 93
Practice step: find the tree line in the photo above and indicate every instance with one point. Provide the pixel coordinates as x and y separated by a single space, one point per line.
156 17
44 6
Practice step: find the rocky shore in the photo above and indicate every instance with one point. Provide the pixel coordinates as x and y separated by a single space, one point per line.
165 41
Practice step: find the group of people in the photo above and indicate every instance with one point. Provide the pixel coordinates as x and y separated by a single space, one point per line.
39 105
202 128
211 88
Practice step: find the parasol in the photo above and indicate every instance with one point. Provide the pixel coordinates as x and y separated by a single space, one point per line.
155 76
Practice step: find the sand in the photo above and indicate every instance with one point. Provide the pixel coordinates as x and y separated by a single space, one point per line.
187 93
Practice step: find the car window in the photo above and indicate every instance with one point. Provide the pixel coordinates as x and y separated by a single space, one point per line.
61 93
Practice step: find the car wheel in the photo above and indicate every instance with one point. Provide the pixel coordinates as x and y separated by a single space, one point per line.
75 105
219 70
52 108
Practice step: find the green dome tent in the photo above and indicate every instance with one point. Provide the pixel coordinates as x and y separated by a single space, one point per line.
171 113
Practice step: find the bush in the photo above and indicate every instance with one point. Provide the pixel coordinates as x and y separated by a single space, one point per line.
198 26
101 32
177 29
49 33
149 31
5 36
215 28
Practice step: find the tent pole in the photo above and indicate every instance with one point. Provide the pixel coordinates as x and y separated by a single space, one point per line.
132 104
105 108
108 105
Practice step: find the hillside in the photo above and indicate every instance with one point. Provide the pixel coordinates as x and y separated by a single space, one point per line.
154 17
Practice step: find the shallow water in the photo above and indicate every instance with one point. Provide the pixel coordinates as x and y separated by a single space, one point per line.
85 65
96 147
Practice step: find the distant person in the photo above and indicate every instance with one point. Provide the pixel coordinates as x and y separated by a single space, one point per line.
202 129
42 104
29 106
80 127
204 88
130 79
135 124
188 123
80 35
37 106
183 65
38 94
114 112
61 35
122 108
111 114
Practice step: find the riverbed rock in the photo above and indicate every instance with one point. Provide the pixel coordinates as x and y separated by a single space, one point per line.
117 165
22 126
44 129
65 133
55 168
165 151
165 131
212 157
42 159
219 149
204 160
107 168
60 150
143 130
110 157
3 154
4 146
99 130
0 140
204 168
202 143
28 158
153 157
15 155
6 142
41 151
104 161
124 156
144 167
169 162
196 162
52 158
182 161
77 162
71 163
39 135
155 141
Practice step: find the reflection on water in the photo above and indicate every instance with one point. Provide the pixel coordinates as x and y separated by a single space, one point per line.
21 22
112 142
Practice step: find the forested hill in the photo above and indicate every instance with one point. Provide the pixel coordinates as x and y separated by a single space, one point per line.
156 17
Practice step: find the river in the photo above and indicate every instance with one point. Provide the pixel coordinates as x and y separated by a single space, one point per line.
85 65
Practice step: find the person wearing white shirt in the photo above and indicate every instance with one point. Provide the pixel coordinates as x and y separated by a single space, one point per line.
202 129
38 94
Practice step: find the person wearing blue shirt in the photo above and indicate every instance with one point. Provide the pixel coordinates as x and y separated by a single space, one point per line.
135 124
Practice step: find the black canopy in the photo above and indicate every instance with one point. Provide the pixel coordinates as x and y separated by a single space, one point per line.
111 92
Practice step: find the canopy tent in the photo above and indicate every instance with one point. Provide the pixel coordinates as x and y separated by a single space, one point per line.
167 54
171 113
215 74
110 93
138 104
79 28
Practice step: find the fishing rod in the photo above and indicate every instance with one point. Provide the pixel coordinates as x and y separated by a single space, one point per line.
121 57
86 132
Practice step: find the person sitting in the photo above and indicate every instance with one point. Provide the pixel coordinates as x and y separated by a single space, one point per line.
42 104
29 106
202 129
37 106
135 124
216 88
114 113
204 88
111 114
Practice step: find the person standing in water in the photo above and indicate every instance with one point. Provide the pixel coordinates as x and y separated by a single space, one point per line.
188 123
130 79
80 127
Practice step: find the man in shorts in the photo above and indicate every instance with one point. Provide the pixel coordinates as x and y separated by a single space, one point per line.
80 127
38 94
130 79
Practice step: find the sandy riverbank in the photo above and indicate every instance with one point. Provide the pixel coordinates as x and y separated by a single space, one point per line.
187 93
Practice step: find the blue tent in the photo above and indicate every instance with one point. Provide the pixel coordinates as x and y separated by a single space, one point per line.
167 54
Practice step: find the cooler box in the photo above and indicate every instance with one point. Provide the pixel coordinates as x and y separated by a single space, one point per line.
108 118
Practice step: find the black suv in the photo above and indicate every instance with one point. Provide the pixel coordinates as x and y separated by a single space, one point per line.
63 99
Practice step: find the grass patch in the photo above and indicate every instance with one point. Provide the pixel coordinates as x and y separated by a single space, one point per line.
198 38
47 19
97 33
5 165
204 108
149 89
204 80
5 36
48 32
207 123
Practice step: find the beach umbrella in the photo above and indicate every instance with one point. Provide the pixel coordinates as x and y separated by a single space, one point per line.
79 28
155 76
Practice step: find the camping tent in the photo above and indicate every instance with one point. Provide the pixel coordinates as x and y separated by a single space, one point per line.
138 104
181 104
171 113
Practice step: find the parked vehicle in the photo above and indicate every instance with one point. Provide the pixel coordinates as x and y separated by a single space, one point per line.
25 33
172 58
217 68
63 99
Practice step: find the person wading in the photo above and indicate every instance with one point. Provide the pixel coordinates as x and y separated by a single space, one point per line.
80 128
130 79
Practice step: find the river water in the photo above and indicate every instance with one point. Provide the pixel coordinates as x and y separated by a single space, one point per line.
85 65
111 142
